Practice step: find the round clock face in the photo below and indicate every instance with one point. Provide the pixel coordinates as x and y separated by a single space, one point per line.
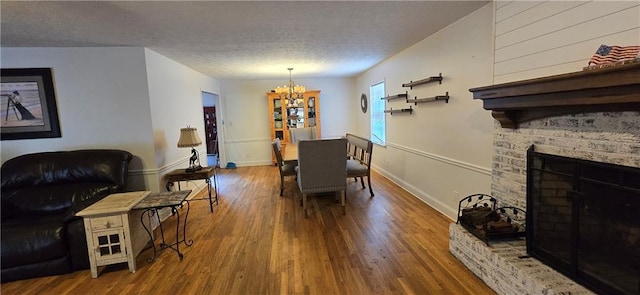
363 102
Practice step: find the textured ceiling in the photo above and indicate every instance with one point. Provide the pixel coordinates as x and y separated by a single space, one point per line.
238 39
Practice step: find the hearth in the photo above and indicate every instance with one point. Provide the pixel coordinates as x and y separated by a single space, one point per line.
583 219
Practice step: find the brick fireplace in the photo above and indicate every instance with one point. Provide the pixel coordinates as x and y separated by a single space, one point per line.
589 115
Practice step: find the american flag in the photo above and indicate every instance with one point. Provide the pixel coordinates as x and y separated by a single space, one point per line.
610 54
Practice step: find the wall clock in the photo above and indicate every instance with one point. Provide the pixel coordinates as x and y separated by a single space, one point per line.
363 103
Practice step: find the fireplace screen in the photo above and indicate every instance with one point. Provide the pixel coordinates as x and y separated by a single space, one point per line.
583 220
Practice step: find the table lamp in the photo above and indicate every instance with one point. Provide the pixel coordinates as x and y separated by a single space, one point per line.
189 138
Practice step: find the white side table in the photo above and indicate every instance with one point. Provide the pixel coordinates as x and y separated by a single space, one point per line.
114 232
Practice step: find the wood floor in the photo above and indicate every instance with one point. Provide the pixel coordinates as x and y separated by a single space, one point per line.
256 242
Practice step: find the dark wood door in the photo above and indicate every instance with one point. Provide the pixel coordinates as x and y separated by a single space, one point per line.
211 130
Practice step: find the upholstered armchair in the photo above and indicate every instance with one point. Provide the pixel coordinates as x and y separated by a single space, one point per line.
285 169
322 167
298 134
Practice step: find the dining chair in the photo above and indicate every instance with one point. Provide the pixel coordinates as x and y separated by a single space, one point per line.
298 134
285 169
322 167
359 152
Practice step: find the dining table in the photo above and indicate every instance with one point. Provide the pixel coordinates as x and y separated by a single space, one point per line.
290 152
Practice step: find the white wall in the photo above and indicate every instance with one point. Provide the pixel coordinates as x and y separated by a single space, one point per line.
127 98
442 147
175 95
541 38
102 101
246 115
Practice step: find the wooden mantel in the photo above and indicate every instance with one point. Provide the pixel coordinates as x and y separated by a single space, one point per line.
607 89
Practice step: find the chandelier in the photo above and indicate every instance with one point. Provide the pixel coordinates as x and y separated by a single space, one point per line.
290 92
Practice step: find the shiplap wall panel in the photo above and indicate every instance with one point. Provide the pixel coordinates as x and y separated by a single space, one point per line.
568 37
535 39
581 22
508 30
567 59
539 72
513 9
503 3
572 58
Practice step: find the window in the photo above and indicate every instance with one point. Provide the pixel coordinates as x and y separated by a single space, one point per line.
378 125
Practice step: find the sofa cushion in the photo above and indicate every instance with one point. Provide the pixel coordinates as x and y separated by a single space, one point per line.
8 211
54 199
41 269
29 241
108 166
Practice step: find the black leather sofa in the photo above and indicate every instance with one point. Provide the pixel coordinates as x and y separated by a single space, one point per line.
40 194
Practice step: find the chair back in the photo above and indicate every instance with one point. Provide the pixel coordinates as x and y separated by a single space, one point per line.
359 148
322 166
298 134
276 150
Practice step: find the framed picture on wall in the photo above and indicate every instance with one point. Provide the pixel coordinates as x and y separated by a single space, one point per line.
28 104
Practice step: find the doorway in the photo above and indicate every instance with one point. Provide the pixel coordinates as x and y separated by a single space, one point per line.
211 130
209 102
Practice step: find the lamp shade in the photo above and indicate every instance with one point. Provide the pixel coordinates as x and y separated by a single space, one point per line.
189 137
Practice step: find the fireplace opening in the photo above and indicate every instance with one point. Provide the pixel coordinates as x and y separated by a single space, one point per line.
583 219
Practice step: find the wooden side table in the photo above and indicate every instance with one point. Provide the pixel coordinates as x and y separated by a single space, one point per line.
205 174
113 232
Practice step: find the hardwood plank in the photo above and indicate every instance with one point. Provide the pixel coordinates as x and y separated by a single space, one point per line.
256 242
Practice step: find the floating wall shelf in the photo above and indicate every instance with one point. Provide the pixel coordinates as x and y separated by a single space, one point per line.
424 81
392 111
400 95
416 101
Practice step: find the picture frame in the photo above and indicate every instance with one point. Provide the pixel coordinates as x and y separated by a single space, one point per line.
28 104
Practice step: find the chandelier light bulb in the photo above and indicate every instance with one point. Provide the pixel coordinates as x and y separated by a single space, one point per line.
291 92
